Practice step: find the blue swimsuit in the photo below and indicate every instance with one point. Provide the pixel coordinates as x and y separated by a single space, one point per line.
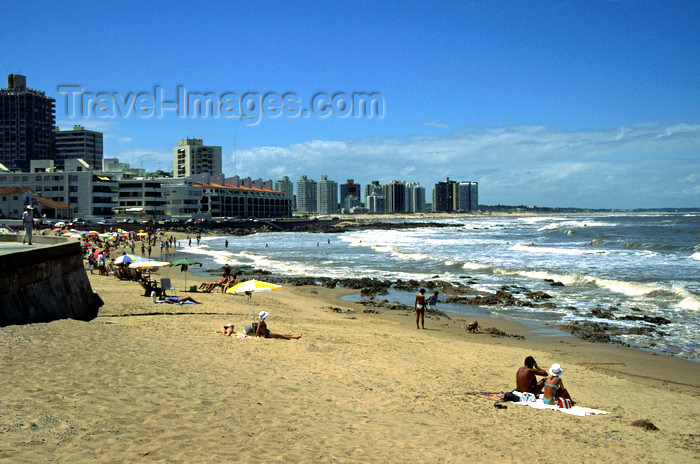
555 386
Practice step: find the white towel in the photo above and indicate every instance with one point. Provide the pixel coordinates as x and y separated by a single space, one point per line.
574 410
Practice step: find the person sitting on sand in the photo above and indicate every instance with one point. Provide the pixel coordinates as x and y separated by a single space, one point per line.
226 330
420 308
553 386
233 280
178 300
262 331
525 381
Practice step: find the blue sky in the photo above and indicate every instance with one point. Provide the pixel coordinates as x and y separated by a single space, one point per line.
563 103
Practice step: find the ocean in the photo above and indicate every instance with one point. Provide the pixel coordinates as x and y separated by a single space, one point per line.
636 264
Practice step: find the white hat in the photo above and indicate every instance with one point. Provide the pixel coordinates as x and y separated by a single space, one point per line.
262 315
29 207
555 370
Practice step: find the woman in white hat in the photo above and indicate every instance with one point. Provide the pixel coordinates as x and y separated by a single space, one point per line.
262 331
553 386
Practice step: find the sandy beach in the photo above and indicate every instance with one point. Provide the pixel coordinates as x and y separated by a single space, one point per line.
156 383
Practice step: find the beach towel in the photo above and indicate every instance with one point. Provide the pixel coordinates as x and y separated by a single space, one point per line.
573 410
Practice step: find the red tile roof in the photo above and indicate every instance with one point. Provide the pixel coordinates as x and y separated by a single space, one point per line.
11 190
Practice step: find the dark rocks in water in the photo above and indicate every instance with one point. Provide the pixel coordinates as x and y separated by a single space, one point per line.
602 314
394 306
332 283
658 320
549 280
586 330
548 305
556 284
258 272
435 277
646 424
538 296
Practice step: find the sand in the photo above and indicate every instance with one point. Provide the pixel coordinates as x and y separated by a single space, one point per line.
156 383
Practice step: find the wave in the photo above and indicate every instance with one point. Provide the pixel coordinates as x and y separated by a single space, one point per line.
695 256
576 224
559 251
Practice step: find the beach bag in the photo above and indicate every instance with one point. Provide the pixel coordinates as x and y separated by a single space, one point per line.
563 403
249 330
510 396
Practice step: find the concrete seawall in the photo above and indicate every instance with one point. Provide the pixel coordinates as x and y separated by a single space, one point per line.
44 282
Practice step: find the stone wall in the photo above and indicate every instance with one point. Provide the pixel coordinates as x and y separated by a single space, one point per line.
44 283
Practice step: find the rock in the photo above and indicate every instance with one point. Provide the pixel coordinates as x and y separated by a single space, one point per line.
538 296
586 330
646 424
602 314
556 284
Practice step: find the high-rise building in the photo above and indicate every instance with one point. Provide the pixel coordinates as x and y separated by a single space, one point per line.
416 198
396 196
27 119
306 195
327 196
79 143
444 196
468 196
350 188
285 186
373 188
192 157
376 204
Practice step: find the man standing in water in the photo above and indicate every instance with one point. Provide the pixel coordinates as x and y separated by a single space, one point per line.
420 308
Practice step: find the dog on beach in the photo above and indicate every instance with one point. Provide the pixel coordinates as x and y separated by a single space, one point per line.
473 327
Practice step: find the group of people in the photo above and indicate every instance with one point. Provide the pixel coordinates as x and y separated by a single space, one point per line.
551 387
259 329
226 281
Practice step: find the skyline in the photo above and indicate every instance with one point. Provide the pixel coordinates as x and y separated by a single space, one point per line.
566 105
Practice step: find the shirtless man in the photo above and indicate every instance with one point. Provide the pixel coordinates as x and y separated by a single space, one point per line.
420 308
525 381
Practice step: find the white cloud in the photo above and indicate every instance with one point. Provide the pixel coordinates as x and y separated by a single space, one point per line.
514 164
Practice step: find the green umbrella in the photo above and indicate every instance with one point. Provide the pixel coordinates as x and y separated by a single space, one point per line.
184 264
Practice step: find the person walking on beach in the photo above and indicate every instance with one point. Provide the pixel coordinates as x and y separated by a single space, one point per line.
420 308
525 381
28 221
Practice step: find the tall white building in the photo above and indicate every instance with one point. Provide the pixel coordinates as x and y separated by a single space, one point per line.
416 198
192 157
327 196
306 195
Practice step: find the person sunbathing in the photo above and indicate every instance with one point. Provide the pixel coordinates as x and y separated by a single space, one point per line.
207 287
262 331
553 386
178 300
226 330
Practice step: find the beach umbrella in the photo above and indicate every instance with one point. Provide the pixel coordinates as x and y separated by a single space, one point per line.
184 264
148 264
126 259
251 287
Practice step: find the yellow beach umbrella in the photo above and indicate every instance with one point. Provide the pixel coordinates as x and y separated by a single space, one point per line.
251 287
